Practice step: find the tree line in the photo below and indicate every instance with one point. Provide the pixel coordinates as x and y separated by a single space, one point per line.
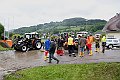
72 24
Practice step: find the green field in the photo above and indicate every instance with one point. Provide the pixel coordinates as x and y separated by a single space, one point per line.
100 71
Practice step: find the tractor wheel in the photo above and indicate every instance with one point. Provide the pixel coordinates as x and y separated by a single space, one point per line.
110 46
24 48
38 45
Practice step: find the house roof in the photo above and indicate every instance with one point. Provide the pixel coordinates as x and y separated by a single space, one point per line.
113 24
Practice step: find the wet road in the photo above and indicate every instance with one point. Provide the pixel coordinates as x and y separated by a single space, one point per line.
17 60
14 60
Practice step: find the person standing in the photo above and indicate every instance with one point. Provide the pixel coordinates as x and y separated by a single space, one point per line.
58 43
60 50
82 43
89 45
47 48
103 40
52 51
97 43
71 46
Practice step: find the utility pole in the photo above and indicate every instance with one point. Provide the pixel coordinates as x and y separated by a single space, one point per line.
4 29
8 28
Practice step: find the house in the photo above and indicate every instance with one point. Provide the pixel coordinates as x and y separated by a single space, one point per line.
112 27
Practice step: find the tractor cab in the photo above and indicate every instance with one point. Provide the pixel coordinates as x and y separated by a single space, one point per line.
33 35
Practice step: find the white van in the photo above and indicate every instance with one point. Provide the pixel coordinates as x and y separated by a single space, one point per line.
112 42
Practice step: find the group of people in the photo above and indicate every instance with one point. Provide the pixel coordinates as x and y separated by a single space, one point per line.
84 43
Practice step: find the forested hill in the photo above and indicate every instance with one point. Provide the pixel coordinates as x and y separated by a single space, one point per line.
72 24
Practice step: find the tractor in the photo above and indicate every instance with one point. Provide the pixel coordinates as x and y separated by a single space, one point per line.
28 42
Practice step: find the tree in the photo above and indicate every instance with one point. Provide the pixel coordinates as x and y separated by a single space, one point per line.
11 34
1 30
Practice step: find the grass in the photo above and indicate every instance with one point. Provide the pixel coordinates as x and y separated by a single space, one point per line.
100 71
5 49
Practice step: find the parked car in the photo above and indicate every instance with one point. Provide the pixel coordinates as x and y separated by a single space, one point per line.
112 42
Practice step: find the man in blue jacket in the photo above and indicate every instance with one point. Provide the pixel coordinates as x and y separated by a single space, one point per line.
47 48
52 51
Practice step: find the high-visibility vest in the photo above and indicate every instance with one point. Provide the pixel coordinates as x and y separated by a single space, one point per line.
88 41
91 39
103 39
70 41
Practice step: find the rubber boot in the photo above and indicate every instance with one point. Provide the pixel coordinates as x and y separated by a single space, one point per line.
90 53
96 50
81 54
45 58
73 54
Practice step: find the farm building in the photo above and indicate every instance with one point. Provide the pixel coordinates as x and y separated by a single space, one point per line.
112 27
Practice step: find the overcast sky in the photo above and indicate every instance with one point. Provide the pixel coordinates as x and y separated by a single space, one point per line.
23 13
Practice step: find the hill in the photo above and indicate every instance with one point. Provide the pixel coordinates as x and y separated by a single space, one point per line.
72 24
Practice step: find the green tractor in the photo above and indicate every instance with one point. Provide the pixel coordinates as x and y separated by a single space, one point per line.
30 41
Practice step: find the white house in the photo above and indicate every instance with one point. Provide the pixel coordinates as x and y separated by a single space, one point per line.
112 27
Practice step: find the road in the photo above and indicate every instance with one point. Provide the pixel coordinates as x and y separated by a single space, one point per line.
14 60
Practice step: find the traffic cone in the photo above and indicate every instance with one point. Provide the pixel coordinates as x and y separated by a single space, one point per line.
90 53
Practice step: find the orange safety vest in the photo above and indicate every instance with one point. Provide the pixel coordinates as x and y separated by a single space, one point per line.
89 40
